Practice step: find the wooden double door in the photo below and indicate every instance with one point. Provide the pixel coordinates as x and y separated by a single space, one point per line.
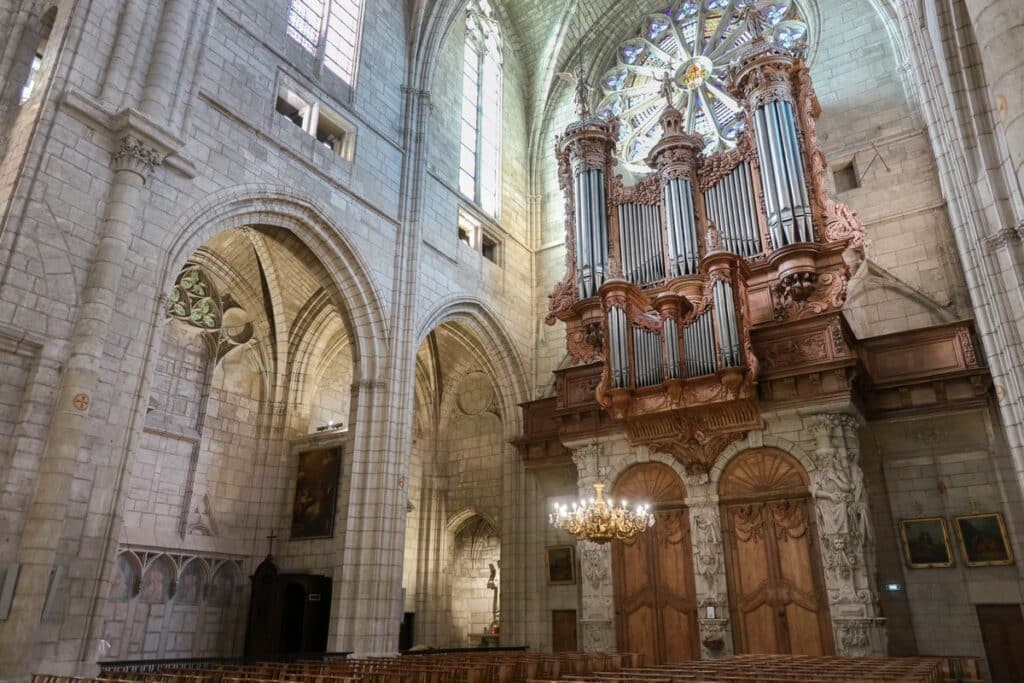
655 603
777 594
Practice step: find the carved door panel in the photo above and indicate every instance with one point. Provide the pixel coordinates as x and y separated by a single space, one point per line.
672 557
776 593
634 598
655 606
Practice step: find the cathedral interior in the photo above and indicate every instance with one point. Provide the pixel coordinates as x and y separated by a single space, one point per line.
685 329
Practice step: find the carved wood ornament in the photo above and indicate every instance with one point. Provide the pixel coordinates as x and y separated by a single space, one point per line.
790 343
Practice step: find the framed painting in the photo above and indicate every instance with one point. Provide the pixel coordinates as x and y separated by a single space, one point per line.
561 561
316 493
983 540
190 585
926 543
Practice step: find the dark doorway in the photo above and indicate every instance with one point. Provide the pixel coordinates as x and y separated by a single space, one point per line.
1002 631
289 614
293 618
563 630
407 631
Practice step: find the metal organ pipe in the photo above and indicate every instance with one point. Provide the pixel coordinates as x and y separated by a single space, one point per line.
725 317
732 208
682 228
617 347
648 368
643 260
671 330
782 176
700 346
591 230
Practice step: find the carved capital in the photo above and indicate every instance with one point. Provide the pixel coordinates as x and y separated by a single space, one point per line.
136 156
586 458
1005 237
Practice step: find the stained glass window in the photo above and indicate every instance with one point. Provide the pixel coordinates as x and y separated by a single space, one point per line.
480 153
694 43
331 26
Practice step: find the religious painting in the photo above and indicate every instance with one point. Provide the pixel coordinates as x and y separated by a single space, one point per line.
126 576
926 543
156 582
316 492
561 565
983 540
189 590
222 588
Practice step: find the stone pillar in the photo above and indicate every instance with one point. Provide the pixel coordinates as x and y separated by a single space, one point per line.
70 427
158 97
709 571
999 30
846 536
369 579
597 601
433 598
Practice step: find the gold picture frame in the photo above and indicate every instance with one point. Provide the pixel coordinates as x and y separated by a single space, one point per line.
983 539
561 564
925 542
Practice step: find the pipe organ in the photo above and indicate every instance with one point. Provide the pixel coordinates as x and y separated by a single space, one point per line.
671 280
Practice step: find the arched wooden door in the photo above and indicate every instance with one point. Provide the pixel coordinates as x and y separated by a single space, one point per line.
776 589
655 604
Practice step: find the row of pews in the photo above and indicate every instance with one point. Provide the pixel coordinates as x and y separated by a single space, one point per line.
528 667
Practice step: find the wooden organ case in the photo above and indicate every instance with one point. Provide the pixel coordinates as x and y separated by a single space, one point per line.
680 286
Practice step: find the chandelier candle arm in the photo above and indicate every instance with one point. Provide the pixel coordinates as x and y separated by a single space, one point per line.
600 521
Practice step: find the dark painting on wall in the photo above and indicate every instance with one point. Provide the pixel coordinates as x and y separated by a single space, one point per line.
126 579
189 590
316 493
222 588
983 540
156 582
561 565
926 543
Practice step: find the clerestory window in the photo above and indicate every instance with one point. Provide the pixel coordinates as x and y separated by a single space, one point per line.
480 156
329 30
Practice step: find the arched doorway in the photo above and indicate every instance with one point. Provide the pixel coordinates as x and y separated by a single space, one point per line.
655 597
776 589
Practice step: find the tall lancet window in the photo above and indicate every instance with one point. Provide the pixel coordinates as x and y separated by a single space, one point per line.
480 159
328 29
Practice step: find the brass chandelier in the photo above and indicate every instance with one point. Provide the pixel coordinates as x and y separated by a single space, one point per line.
597 521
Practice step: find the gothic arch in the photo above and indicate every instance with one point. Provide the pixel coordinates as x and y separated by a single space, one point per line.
490 344
340 268
459 519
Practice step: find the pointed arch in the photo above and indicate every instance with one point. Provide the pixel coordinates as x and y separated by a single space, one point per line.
339 268
490 343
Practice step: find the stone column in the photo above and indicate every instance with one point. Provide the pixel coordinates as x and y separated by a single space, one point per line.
433 598
999 30
70 427
709 571
846 536
369 579
164 66
597 601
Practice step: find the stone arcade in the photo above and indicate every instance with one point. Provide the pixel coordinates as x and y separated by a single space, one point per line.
274 369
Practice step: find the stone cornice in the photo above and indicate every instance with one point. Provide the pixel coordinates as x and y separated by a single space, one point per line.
131 123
